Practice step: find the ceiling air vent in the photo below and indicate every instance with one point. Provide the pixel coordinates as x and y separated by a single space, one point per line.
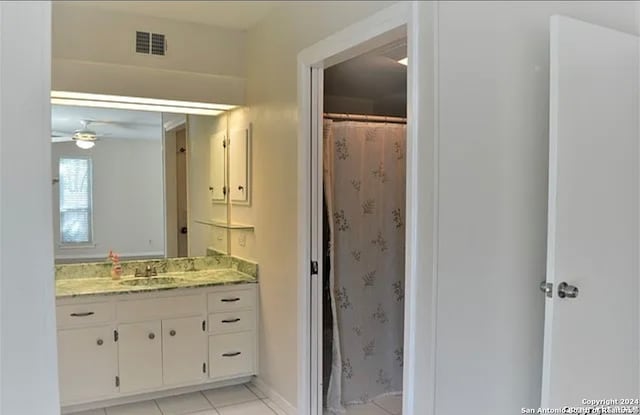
150 43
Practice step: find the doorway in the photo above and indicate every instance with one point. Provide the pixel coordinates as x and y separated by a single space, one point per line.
386 27
363 250
176 165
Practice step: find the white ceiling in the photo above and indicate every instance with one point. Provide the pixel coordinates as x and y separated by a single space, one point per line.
110 123
239 15
375 75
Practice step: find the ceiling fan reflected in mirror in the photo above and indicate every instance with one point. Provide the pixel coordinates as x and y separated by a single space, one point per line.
85 137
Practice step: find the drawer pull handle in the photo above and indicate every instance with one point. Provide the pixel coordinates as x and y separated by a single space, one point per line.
230 300
231 354
86 314
100 342
231 320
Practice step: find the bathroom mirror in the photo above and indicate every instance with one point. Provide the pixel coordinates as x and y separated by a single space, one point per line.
241 168
138 183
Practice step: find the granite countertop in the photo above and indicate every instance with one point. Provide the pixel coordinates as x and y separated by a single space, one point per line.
73 287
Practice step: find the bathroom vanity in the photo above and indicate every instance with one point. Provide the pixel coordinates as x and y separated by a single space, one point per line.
149 335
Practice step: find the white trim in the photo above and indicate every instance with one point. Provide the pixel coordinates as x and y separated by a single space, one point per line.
422 179
274 396
169 126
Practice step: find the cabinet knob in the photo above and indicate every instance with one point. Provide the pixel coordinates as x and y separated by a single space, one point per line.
152 336
172 333
100 342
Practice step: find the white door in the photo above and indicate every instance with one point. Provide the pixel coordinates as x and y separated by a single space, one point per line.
140 356
591 341
184 350
88 365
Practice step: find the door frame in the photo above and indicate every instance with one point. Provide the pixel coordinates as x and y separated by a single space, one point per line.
418 21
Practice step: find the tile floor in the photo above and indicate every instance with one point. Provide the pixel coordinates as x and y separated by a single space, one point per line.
386 405
232 400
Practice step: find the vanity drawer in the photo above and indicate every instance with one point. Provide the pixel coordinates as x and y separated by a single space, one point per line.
231 355
231 300
232 321
160 308
83 314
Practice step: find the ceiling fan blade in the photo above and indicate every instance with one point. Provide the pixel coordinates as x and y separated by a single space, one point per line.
61 138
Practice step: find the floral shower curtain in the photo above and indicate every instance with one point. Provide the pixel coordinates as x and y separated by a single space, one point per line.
364 178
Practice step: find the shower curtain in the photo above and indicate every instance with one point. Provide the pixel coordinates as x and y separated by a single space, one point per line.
364 176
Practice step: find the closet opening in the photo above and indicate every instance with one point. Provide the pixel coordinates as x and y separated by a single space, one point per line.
364 105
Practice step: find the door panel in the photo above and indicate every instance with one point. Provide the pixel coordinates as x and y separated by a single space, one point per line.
184 344
140 356
88 366
591 341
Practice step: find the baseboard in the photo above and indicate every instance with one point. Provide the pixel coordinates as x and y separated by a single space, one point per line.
274 396
171 391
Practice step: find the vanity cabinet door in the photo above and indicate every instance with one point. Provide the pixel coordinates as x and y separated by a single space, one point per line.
140 356
88 365
184 350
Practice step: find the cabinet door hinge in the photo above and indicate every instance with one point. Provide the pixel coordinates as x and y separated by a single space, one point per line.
116 336
204 325
314 267
204 368
117 381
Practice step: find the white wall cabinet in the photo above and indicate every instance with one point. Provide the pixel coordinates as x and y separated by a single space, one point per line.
87 363
218 167
240 166
124 345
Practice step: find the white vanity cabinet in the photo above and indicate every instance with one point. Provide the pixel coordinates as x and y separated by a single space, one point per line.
140 356
184 350
129 344
87 363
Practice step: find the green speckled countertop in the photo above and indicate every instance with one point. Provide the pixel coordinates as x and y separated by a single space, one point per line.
73 287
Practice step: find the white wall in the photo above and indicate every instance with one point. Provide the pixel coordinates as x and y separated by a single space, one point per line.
94 51
493 143
128 198
28 357
272 48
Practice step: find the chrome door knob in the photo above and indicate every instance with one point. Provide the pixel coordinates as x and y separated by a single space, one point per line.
566 290
547 288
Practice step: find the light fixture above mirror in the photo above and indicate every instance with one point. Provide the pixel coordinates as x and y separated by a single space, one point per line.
136 103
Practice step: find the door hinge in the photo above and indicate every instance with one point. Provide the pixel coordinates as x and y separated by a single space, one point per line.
204 368
117 381
204 325
116 336
314 267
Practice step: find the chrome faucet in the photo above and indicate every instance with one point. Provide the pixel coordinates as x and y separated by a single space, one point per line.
148 272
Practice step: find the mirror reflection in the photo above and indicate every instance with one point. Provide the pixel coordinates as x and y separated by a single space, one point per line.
143 184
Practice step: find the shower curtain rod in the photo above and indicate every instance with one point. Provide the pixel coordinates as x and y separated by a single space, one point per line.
368 118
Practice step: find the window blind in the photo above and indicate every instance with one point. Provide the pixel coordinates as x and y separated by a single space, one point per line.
75 200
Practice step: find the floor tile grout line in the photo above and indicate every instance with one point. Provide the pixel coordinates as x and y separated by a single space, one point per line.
381 407
158 406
